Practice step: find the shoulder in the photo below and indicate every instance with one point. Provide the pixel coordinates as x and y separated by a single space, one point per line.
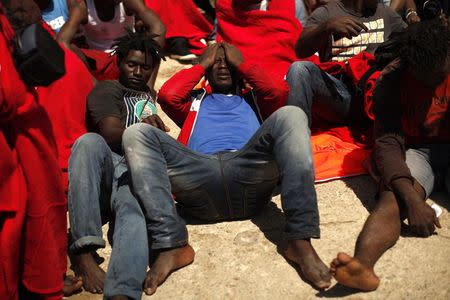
110 88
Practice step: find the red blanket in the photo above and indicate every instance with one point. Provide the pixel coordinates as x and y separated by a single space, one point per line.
33 238
65 104
183 19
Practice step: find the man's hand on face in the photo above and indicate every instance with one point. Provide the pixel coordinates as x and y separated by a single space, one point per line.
209 56
156 121
421 217
233 55
345 27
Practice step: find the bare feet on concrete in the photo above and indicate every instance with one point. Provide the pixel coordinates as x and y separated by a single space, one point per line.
302 253
350 272
167 261
72 285
85 266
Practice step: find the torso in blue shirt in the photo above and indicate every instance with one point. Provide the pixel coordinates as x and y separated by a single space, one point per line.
56 14
224 123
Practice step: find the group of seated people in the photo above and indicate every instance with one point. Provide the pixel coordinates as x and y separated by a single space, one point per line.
245 137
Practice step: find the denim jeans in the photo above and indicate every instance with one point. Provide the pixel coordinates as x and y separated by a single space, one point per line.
224 186
98 193
300 12
309 84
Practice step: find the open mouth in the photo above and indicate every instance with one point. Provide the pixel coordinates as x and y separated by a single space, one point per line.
223 76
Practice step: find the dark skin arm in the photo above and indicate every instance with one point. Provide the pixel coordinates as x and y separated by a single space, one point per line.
390 150
151 21
314 38
78 15
111 129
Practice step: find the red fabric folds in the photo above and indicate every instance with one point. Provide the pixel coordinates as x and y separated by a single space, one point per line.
65 104
264 37
183 19
33 238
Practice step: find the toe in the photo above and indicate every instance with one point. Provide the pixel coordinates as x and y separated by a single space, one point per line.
343 258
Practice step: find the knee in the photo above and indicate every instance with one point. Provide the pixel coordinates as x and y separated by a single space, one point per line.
135 134
300 70
292 117
89 143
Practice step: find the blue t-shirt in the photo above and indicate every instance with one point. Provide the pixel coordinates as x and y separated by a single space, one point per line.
56 14
224 123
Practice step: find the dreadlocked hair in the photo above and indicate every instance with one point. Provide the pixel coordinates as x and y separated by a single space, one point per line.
424 46
140 41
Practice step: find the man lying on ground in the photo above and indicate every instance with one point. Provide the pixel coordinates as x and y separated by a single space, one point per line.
338 30
231 165
98 189
412 148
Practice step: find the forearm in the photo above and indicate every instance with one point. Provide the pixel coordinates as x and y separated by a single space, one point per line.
174 95
113 137
270 90
311 40
398 5
154 26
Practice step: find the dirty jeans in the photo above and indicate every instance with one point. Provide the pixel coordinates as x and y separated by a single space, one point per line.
224 186
308 84
98 193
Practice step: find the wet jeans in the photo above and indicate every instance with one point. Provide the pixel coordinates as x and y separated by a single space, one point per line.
224 186
99 193
309 84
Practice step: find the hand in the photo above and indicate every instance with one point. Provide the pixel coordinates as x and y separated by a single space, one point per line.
209 56
233 55
345 27
422 218
413 18
156 121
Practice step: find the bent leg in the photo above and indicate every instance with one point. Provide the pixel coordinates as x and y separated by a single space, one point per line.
380 232
309 84
90 179
285 137
129 257
148 161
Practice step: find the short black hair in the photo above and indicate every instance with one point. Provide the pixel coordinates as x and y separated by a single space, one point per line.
140 41
424 46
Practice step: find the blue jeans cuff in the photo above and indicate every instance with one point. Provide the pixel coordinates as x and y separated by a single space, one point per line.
302 236
87 241
169 244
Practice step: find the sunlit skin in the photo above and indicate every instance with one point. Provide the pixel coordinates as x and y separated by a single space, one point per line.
135 70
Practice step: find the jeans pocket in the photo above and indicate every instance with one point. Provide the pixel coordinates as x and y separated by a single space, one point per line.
197 203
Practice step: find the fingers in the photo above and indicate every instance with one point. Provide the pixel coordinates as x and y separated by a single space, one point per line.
437 223
160 123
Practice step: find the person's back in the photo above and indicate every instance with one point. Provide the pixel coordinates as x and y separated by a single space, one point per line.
100 33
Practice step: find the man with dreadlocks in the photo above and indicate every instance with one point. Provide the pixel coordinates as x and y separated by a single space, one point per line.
412 148
98 190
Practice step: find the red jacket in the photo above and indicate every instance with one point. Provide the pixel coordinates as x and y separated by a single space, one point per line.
182 107
33 238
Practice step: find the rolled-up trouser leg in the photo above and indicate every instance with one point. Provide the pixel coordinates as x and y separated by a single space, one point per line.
91 172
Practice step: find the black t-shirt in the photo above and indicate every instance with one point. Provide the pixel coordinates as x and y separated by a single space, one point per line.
384 22
111 99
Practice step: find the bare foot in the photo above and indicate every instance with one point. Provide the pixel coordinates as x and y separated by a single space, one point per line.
302 253
167 261
349 271
72 285
85 266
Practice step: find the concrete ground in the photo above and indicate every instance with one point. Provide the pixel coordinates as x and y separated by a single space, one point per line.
240 260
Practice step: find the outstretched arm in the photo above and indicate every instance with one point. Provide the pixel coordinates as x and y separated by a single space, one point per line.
152 22
78 15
